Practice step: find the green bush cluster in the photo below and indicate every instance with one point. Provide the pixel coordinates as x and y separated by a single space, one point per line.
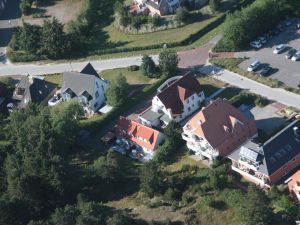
32 42
248 98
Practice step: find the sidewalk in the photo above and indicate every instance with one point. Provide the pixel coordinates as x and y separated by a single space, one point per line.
276 94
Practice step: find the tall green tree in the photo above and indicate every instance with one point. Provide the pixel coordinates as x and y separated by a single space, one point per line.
151 178
38 163
25 6
148 67
116 92
29 37
54 42
168 62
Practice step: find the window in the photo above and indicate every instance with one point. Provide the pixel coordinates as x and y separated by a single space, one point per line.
96 105
193 97
97 94
189 109
97 84
188 101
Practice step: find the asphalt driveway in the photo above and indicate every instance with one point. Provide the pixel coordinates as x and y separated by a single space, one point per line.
284 69
8 21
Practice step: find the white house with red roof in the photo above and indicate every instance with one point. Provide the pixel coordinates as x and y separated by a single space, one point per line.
143 137
176 99
218 129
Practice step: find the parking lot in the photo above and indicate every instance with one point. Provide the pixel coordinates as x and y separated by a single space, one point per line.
283 69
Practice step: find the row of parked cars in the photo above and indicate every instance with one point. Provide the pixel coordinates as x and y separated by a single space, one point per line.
254 66
260 41
292 54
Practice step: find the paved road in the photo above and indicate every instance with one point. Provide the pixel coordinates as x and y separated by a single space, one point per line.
99 65
277 94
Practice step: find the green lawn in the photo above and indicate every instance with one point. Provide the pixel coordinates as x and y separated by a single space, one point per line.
54 78
180 158
122 40
210 85
133 77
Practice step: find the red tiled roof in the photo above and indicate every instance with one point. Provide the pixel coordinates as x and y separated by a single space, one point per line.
222 125
142 135
174 95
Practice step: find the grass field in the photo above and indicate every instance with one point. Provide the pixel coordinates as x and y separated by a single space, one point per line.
122 40
133 77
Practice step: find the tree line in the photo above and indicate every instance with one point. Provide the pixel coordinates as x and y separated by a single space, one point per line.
242 27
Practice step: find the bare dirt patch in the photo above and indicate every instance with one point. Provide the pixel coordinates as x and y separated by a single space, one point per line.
64 10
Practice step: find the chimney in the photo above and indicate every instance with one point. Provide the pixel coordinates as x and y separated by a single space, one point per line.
30 79
296 132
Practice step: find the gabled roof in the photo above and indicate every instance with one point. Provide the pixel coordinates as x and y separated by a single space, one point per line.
173 96
81 82
34 89
141 135
277 151
89 70
217 122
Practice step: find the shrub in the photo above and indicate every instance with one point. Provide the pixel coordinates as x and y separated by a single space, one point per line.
182 14
206 201
248 98
133 68
171 194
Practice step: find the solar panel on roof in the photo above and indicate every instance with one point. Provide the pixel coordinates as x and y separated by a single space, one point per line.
249 154
282 151
272 159
277 155
288 147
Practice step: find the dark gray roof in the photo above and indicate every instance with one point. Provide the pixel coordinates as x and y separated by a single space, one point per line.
150 115
35 89
89 69
78 83
276 152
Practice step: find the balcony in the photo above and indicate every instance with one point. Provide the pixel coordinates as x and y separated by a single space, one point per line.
253 178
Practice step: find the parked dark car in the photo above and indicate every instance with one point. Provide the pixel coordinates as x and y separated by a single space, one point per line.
265 71
290 53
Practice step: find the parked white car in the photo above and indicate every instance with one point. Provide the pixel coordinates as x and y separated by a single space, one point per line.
296 57
279 49
256 44
253 66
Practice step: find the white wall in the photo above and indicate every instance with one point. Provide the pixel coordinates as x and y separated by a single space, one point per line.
101 99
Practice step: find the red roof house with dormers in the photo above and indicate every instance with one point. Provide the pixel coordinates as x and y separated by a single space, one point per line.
138 134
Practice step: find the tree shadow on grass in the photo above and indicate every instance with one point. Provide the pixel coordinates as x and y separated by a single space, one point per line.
219 205
99 42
